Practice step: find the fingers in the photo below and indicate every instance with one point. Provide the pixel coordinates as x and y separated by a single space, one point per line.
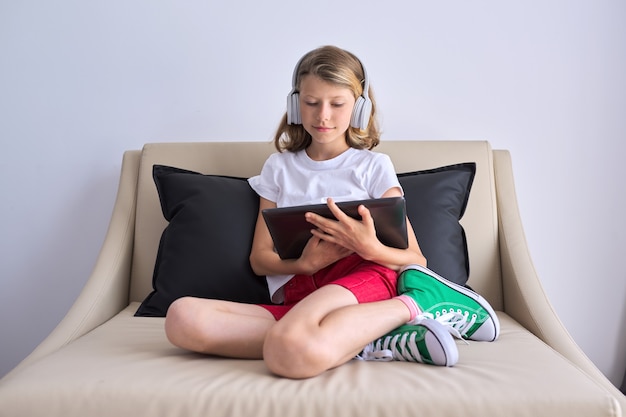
319 253
337 212
322 224
341 219
355 236
321 221
366 215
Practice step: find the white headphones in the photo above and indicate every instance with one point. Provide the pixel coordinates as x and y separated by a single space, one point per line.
362 107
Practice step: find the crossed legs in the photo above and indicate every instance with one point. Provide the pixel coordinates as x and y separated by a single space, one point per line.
323 331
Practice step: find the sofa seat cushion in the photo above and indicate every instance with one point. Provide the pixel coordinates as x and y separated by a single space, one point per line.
126 367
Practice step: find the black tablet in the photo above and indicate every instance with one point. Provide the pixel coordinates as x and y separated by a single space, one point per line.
290 231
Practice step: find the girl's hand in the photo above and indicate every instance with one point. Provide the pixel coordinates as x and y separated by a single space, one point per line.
354 235
319 253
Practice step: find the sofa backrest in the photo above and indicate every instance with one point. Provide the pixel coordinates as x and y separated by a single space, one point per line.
245 159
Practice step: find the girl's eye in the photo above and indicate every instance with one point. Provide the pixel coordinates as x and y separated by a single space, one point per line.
315 103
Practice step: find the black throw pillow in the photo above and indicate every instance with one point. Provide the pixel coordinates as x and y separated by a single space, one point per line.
435 201
204 250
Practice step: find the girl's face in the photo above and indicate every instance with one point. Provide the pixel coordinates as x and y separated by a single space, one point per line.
326 111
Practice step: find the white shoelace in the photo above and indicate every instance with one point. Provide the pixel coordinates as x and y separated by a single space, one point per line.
386 349
457 322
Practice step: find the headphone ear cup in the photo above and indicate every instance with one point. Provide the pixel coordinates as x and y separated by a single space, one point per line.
361 113
293 109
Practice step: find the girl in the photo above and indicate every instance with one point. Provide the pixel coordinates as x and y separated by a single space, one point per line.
342 292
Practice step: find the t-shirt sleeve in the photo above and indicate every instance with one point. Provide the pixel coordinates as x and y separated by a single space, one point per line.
265 184
383 176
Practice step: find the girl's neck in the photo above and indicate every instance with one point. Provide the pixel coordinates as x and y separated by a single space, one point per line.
324 152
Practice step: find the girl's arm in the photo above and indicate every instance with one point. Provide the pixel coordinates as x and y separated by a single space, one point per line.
265 261
360 236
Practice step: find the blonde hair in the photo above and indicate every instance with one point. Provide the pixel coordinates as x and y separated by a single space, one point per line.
342 68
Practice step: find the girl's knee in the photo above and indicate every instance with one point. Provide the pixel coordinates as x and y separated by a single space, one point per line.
295 353
177 320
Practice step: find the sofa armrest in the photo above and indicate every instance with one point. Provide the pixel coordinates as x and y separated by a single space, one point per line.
524 297
106 291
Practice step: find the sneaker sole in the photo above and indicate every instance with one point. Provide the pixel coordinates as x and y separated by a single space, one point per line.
465 291
445 341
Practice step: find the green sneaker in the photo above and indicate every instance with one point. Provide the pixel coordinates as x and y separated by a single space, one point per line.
428 341
458 307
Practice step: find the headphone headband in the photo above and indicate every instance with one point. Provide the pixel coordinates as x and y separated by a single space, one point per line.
362 107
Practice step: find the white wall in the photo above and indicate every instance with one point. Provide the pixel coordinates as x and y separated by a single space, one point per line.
80 82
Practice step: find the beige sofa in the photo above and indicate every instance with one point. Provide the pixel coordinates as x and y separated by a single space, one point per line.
103 361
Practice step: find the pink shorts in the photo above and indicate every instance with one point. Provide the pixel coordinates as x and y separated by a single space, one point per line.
368 281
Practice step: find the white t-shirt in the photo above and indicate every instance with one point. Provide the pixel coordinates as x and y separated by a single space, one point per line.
293 179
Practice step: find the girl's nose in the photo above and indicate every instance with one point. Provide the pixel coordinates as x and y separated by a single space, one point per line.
324 112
